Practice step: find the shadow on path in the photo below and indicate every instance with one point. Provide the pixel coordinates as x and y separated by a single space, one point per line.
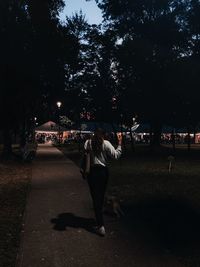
172 224
65 220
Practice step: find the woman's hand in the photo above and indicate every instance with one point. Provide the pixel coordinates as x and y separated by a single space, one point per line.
119 136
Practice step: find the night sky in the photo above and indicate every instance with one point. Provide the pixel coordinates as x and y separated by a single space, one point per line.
90 9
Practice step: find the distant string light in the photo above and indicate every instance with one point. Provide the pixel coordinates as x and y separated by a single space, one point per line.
59 104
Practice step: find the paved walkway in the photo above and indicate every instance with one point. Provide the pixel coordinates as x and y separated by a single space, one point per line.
58 213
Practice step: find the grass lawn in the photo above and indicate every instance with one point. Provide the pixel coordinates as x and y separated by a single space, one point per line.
144 173
159 206
138 177
14 187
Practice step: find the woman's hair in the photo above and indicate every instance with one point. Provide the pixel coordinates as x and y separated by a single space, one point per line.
97 141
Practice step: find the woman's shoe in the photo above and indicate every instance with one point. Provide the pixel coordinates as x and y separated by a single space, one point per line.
100 230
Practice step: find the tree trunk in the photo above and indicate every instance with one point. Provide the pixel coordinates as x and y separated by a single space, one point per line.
23 135
123 139
79 141
150 138
189 140
124 143
173 141
7 143
194 139
115 133
156 137
132 141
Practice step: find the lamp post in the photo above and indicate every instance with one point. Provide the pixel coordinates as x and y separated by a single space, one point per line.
35 124
59 104
131 135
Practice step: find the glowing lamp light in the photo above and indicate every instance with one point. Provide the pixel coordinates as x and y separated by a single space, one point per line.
59 104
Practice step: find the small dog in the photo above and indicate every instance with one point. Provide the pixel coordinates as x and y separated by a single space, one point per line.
112 206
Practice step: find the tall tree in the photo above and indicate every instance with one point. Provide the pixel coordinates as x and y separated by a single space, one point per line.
92 84
152 37
36 51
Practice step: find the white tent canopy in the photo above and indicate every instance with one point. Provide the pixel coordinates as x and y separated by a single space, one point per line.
49 127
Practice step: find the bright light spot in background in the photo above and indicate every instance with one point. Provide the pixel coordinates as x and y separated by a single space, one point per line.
119 41
90 9
59 104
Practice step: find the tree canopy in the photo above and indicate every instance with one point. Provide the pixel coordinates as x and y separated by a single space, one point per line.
144 59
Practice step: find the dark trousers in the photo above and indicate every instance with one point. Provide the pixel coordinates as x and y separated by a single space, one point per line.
97 180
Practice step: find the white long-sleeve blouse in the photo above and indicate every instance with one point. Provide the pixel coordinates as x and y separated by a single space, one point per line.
108 150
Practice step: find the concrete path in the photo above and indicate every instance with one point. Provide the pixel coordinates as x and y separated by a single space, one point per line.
58 213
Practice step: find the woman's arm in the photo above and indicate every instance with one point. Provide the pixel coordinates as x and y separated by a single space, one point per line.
86 145
111 151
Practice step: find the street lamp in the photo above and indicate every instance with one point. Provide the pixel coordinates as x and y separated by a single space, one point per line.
35 124
59 104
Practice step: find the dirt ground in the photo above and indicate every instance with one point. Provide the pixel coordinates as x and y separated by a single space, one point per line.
14 187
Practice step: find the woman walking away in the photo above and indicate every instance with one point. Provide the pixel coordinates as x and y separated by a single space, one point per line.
100 150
